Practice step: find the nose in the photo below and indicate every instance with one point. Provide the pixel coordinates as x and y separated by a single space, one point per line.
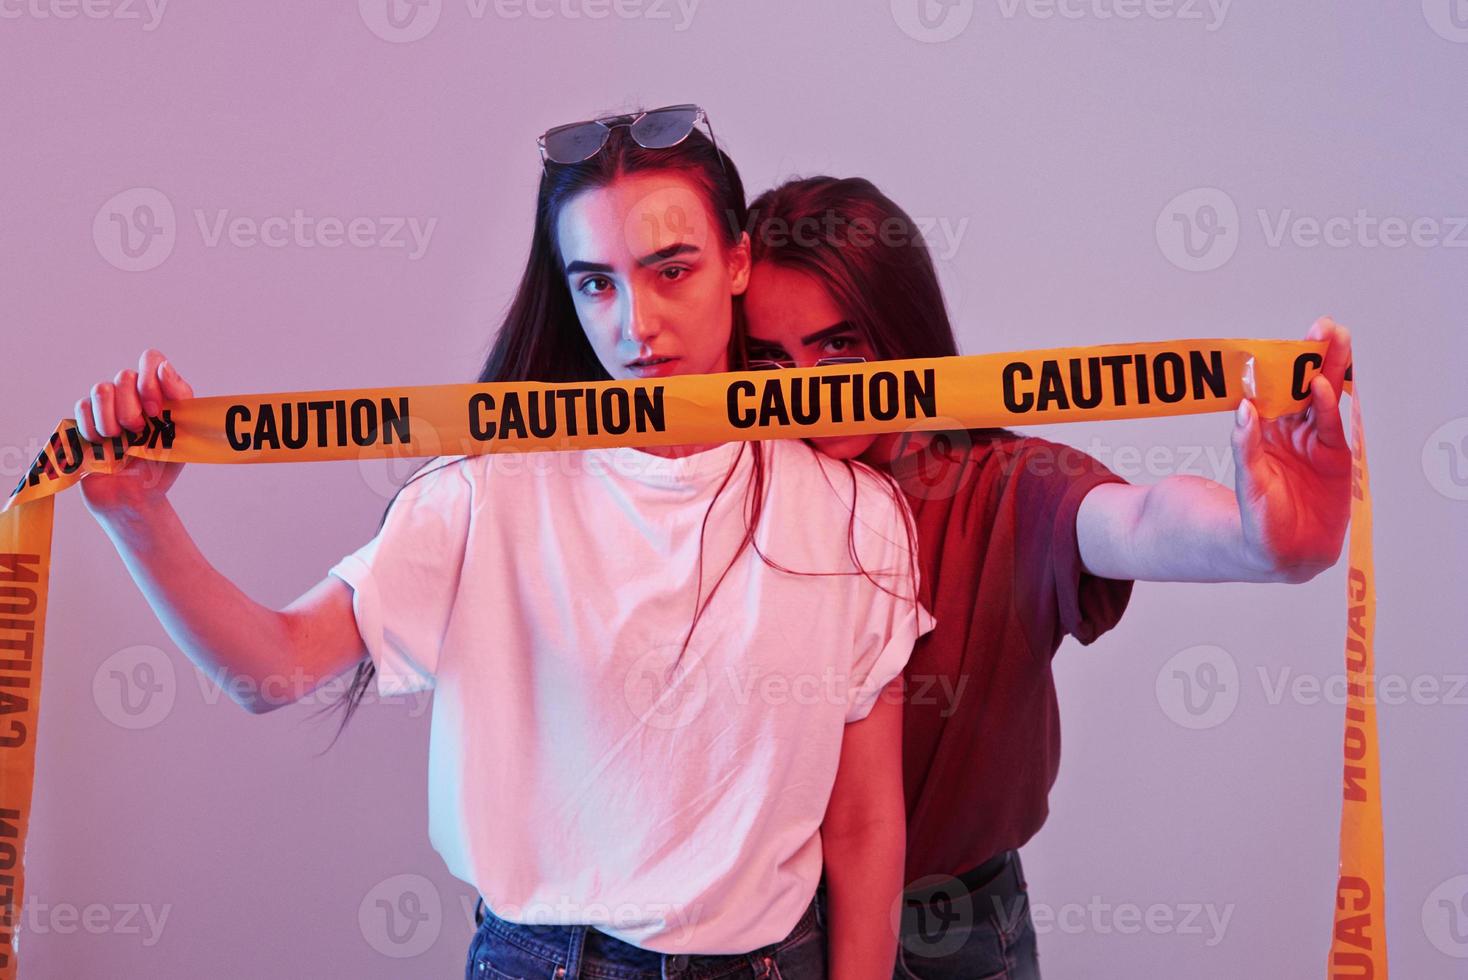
640 320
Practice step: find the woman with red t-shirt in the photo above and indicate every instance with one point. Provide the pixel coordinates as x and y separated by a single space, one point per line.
1023 541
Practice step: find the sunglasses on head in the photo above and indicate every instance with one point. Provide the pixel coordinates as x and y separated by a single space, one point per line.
653 129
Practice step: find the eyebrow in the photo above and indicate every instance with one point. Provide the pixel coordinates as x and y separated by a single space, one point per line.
845 326
662 254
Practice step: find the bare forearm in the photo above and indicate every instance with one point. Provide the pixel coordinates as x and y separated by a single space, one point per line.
863 885
232 639
1181 529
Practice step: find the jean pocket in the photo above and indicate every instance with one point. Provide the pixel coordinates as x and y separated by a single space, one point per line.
967 950
804 959
1010 915
966 964
484 969
494 959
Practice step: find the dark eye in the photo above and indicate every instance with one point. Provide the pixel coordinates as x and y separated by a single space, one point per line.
840 343
594 285
674 272
768 354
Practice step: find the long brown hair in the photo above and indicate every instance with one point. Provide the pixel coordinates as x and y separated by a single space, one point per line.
542 339
869 255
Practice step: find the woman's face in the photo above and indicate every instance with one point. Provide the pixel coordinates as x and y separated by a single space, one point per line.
652 280
791 317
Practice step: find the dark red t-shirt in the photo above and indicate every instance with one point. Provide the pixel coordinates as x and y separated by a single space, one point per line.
1002 572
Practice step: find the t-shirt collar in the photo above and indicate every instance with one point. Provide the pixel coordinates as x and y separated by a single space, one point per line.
650 468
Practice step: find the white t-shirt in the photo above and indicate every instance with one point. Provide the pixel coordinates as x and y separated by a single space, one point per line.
544 598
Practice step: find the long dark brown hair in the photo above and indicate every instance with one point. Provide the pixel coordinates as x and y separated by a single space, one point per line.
542 339
871 258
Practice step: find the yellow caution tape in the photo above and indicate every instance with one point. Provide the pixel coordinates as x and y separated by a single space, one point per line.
1071 384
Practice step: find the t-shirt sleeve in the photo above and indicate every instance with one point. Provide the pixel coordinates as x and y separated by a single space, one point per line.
405 579
890 624
1051 480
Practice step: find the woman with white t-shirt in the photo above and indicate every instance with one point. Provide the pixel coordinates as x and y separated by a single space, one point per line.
659 675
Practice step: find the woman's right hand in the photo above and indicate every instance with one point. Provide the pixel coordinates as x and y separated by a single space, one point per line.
118 405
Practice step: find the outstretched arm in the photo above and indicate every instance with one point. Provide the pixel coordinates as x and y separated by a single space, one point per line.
1284 520
263 658
252 651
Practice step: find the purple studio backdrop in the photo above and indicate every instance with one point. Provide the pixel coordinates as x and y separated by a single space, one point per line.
1085 171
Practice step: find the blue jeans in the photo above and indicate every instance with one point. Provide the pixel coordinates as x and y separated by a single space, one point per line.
504 950
950 934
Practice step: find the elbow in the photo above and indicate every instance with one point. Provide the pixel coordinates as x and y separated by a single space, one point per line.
873 837
241 689
260 698
1299 574
253 704
868 859
1300 568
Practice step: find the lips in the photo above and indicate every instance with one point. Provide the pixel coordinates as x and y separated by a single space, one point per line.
646 362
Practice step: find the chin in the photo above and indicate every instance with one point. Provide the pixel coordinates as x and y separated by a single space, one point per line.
844 447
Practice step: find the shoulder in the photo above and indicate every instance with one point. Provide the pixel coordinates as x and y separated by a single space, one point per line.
954 462
439 481
850 479
824 493
1043 461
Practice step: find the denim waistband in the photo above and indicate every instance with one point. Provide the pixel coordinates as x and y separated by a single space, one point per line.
604 956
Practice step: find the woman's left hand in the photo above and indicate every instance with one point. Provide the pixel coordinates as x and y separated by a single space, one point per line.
1293 473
